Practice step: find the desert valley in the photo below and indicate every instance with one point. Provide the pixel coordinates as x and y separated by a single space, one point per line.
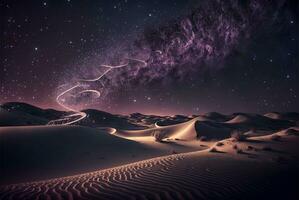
106 156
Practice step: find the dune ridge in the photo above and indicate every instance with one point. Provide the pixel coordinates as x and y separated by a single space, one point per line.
183 131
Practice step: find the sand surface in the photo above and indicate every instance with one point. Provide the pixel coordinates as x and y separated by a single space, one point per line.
197 175
169 158
41 152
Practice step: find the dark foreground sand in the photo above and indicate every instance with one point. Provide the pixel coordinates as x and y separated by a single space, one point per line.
184 176
263 173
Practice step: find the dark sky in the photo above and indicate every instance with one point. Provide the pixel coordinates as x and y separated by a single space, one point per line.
201 56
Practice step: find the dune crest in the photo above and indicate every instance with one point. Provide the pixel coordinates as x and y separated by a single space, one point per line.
182 131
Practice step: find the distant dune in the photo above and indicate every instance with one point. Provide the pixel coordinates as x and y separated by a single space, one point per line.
291 116
107 156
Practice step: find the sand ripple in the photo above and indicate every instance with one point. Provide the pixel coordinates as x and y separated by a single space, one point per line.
181 176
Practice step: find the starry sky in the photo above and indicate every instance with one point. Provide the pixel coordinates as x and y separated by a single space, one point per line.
201 56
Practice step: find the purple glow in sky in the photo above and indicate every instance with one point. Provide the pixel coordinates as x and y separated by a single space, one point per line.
179 56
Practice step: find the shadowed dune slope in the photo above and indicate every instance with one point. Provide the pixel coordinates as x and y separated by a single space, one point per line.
253 121
214 116
52 151
212 130
20 114
32 110
291 116
96 118
15 118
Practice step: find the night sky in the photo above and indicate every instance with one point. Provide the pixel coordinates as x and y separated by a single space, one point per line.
200 56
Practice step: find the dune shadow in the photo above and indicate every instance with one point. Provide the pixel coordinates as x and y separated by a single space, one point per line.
270 149
216 151
252 155
254 141
247 153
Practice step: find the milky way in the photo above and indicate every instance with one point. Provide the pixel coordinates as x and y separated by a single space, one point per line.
179 56
201 39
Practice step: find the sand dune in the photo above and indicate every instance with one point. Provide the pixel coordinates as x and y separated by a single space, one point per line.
182 131
291 116
273 115
218 117
148 157
239 119
202 126
20 114
212 130
198 175
44 152
40 152
19 119
246 121
97 118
